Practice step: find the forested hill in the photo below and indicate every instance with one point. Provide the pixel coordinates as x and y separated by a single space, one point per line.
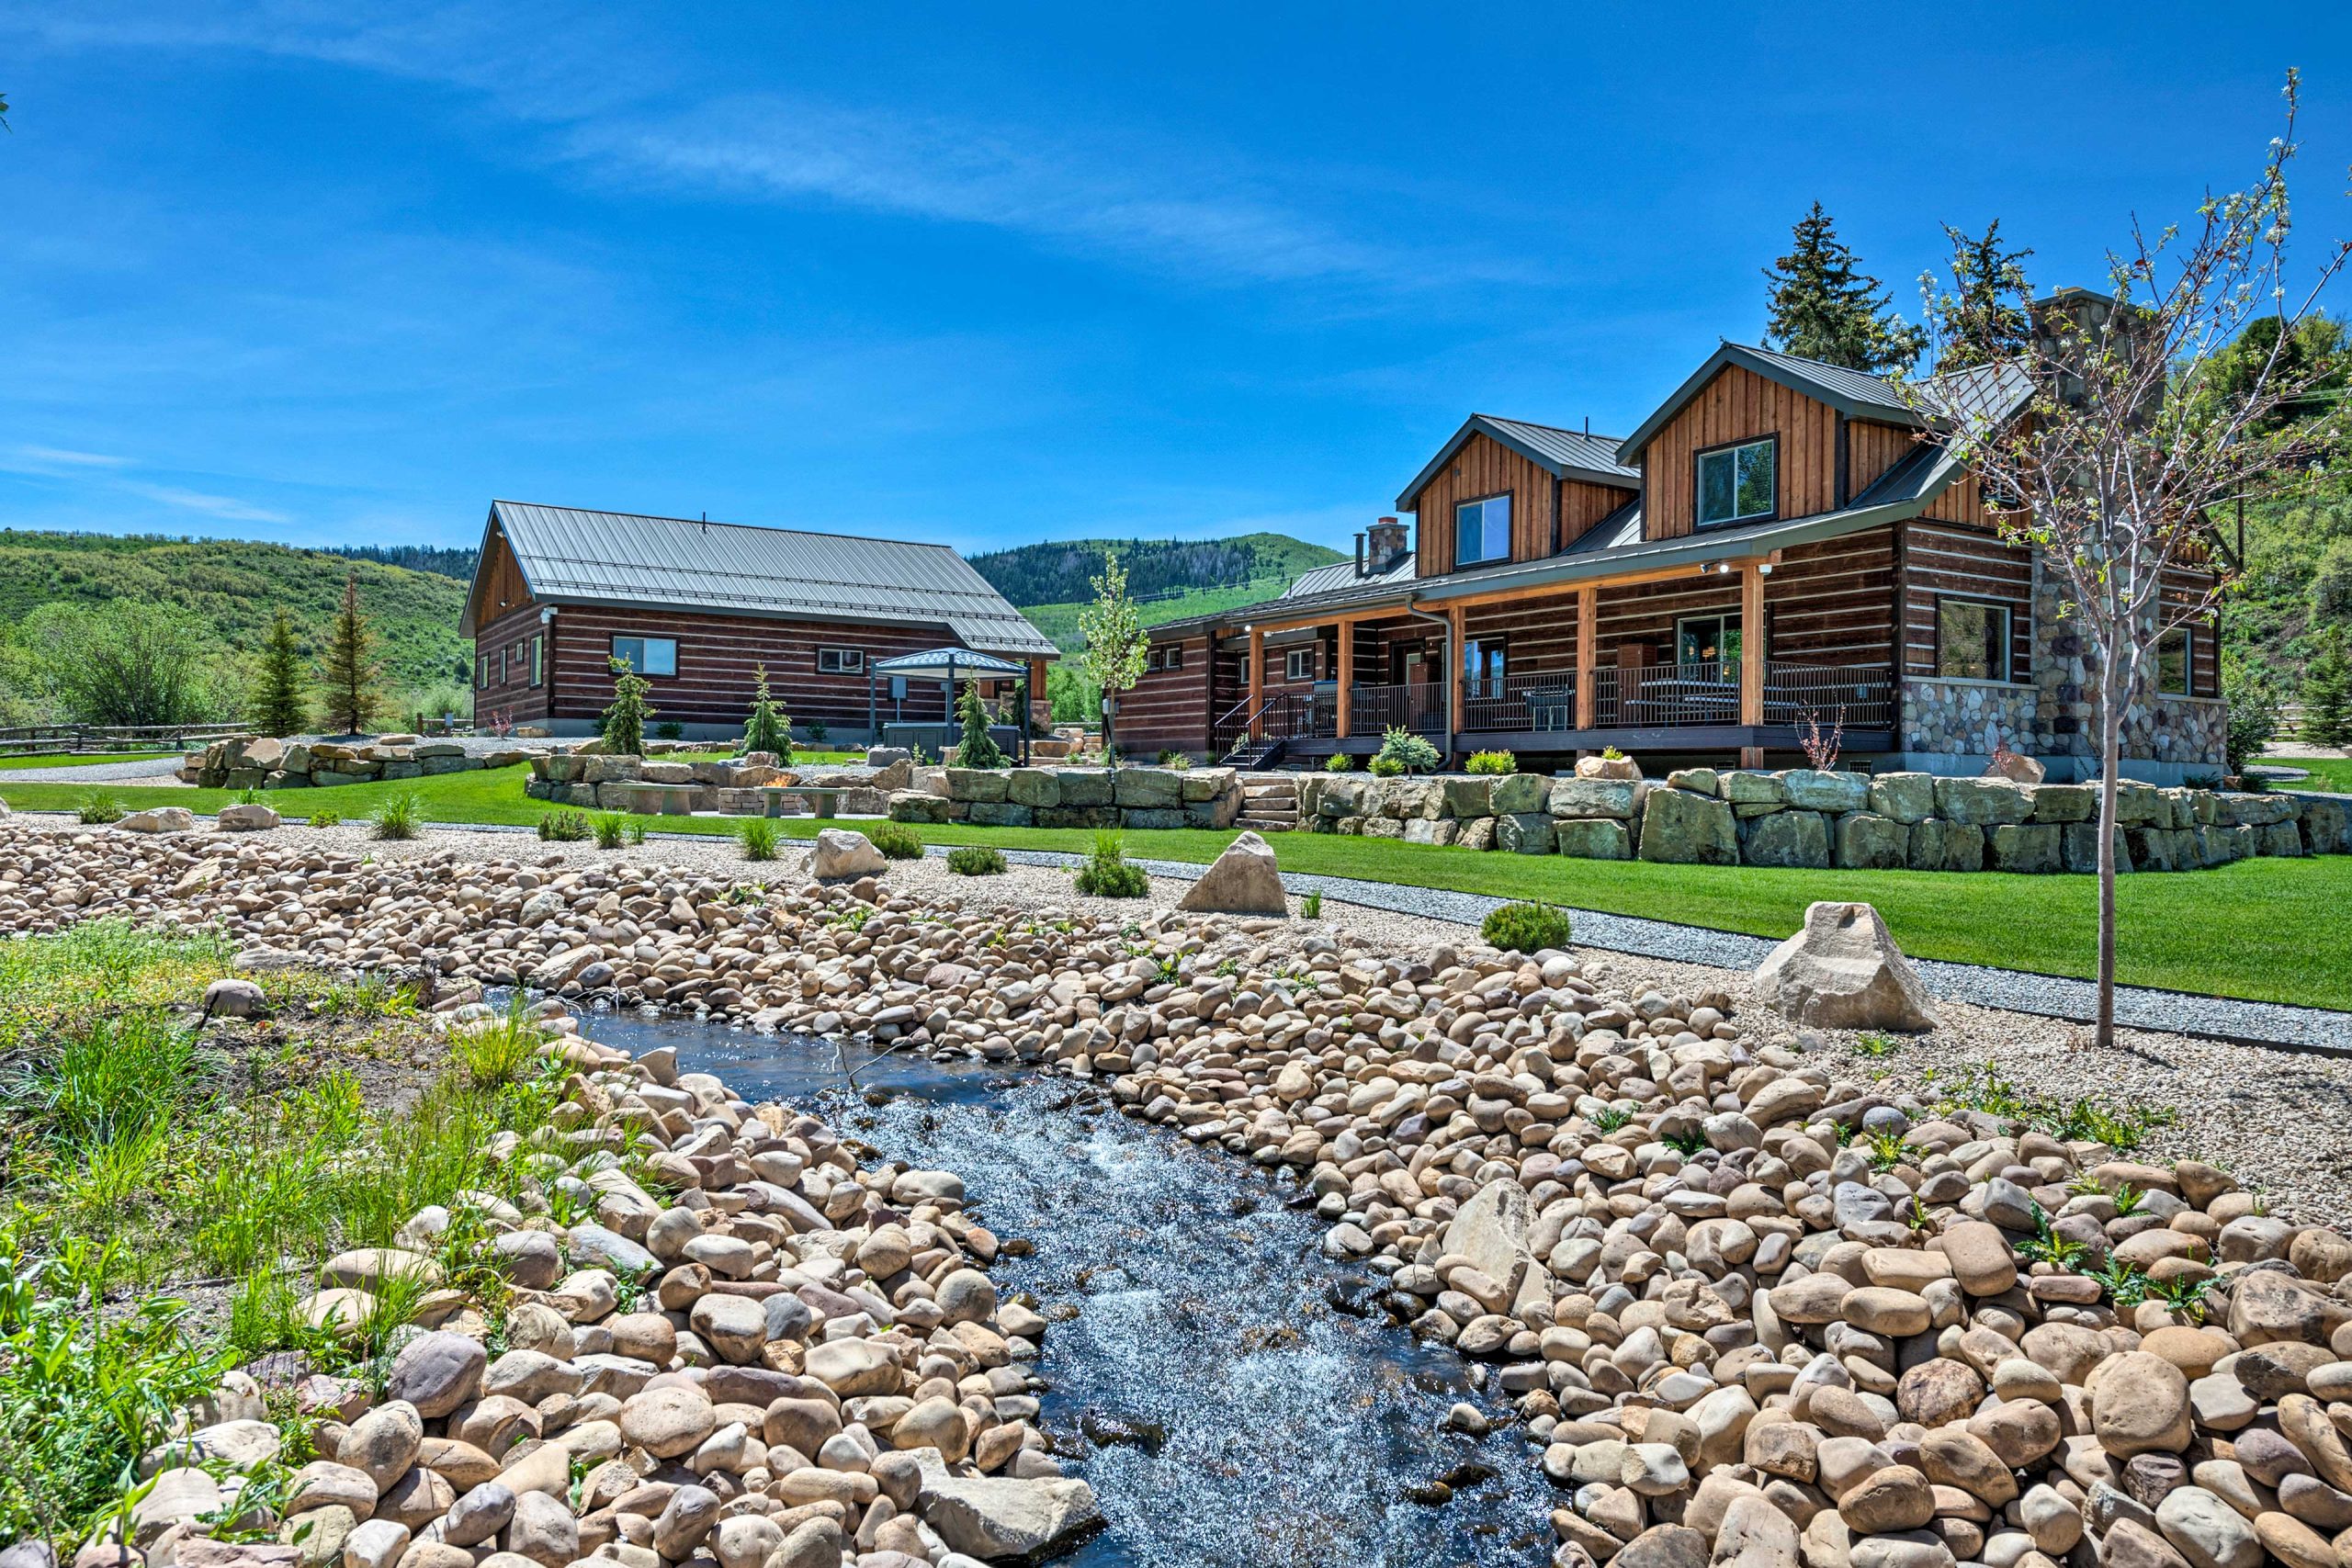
1061 571
236 585
457 563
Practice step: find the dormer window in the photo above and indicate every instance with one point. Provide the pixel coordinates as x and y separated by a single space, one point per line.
1738 484
1482 531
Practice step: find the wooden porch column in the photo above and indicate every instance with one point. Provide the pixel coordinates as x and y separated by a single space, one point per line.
1456 654
1257 668
1587 655
1752 653
1347 677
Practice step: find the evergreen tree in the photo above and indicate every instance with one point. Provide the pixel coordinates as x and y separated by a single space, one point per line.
1823 306
978 748
770 728
1982 318
2327 694
281 703
624 726
352 668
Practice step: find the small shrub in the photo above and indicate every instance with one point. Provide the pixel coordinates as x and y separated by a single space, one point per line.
565 826
1310 908
758 836
1412 752
400 817
1339 762
896 840
624 722
817 731
1491 763
670 729
769 727
976 860
1875 1046
1386 767
97 809
326 819
497 1053
1610 754
978 749
1610 1118
1525 928
1179 761
611 830
1684 1144
249 797
1107 872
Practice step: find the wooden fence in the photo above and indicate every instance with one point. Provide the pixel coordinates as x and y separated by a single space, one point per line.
67 739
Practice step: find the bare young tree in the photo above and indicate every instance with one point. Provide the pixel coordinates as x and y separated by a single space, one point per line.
2120 444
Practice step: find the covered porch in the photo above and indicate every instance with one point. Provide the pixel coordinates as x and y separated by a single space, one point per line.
1660 662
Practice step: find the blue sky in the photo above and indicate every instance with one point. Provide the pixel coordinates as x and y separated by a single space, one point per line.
325 272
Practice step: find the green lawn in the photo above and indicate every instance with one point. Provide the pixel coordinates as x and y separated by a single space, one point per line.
2326 773
75 758
2245 929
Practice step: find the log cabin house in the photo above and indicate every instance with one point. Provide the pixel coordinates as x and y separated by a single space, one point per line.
693 606
1781 546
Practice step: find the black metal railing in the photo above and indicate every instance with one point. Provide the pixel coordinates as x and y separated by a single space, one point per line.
1417 705
1860 696
1280 716
1538 700
1657 696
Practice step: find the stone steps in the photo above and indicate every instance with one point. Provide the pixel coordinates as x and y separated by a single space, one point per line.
1269 803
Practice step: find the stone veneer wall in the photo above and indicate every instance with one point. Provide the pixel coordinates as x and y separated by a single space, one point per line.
1804 817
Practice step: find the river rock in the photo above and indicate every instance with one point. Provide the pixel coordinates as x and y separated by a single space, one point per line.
843 853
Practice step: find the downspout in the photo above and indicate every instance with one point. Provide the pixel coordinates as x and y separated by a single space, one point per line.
1446 669
547 662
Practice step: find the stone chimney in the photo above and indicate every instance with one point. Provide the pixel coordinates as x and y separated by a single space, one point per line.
1385 545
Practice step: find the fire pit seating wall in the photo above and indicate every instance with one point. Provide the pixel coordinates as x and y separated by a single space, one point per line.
1804 818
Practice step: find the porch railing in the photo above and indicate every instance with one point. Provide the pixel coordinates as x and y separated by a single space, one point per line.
1417 705
1279 715
1661 697
1539 700
1861 697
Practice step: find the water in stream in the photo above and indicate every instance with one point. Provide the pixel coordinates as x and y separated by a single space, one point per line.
1247 1421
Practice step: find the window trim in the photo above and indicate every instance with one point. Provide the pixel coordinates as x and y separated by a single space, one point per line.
481 671
1293 658
2188 634
2008 676
1474 679
1167 656
613 651
1509 500
847 660
540 659
1698 486
1730 622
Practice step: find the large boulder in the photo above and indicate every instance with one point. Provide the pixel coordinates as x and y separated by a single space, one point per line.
1788 838
253 817
843 852
1843 971
1683 829
159 819
995 1516
1243 880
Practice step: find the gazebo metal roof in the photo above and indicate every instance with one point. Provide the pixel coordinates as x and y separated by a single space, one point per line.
940 663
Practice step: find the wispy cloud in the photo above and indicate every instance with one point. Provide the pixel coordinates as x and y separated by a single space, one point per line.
45 457
226 507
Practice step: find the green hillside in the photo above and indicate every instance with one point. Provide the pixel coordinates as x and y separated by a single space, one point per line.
1060 571
236 585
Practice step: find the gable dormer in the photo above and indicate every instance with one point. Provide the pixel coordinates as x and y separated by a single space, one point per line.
1755 436
1503 490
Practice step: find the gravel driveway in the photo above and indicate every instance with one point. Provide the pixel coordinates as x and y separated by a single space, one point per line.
155 771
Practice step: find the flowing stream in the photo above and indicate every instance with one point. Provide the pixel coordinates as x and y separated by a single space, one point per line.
1235 1398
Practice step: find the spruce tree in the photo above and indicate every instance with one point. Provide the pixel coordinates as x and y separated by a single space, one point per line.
1823 306
769 729
2327 694
352 668
978 748
280 703
1982 318
624 726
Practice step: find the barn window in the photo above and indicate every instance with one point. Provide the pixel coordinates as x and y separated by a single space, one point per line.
1737 483
647 655
1971 641
481 671
1712 641
2173 662
1298 664
1168 657
840 662
538 662
1482 531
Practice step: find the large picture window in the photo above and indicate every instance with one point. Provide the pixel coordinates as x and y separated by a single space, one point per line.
1482 531
649 655
1707 639
1738 483
2174 664
1971 641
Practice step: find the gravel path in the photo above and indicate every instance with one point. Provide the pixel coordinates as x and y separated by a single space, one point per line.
153 770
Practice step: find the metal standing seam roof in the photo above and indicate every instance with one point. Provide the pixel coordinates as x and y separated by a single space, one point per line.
569 555
1342 574
940 662
1568 454
1854 393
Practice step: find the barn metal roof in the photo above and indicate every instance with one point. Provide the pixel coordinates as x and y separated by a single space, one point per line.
1569 454
571 556
945 661
1851 392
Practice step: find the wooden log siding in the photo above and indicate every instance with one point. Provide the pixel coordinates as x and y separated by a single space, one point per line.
1832 603
2185 586
1537 634
510 694
1484 468
1739 405
1969 564
1647 612
716 654
1170 710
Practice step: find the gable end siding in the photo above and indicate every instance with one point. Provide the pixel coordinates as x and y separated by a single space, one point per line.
1739 405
